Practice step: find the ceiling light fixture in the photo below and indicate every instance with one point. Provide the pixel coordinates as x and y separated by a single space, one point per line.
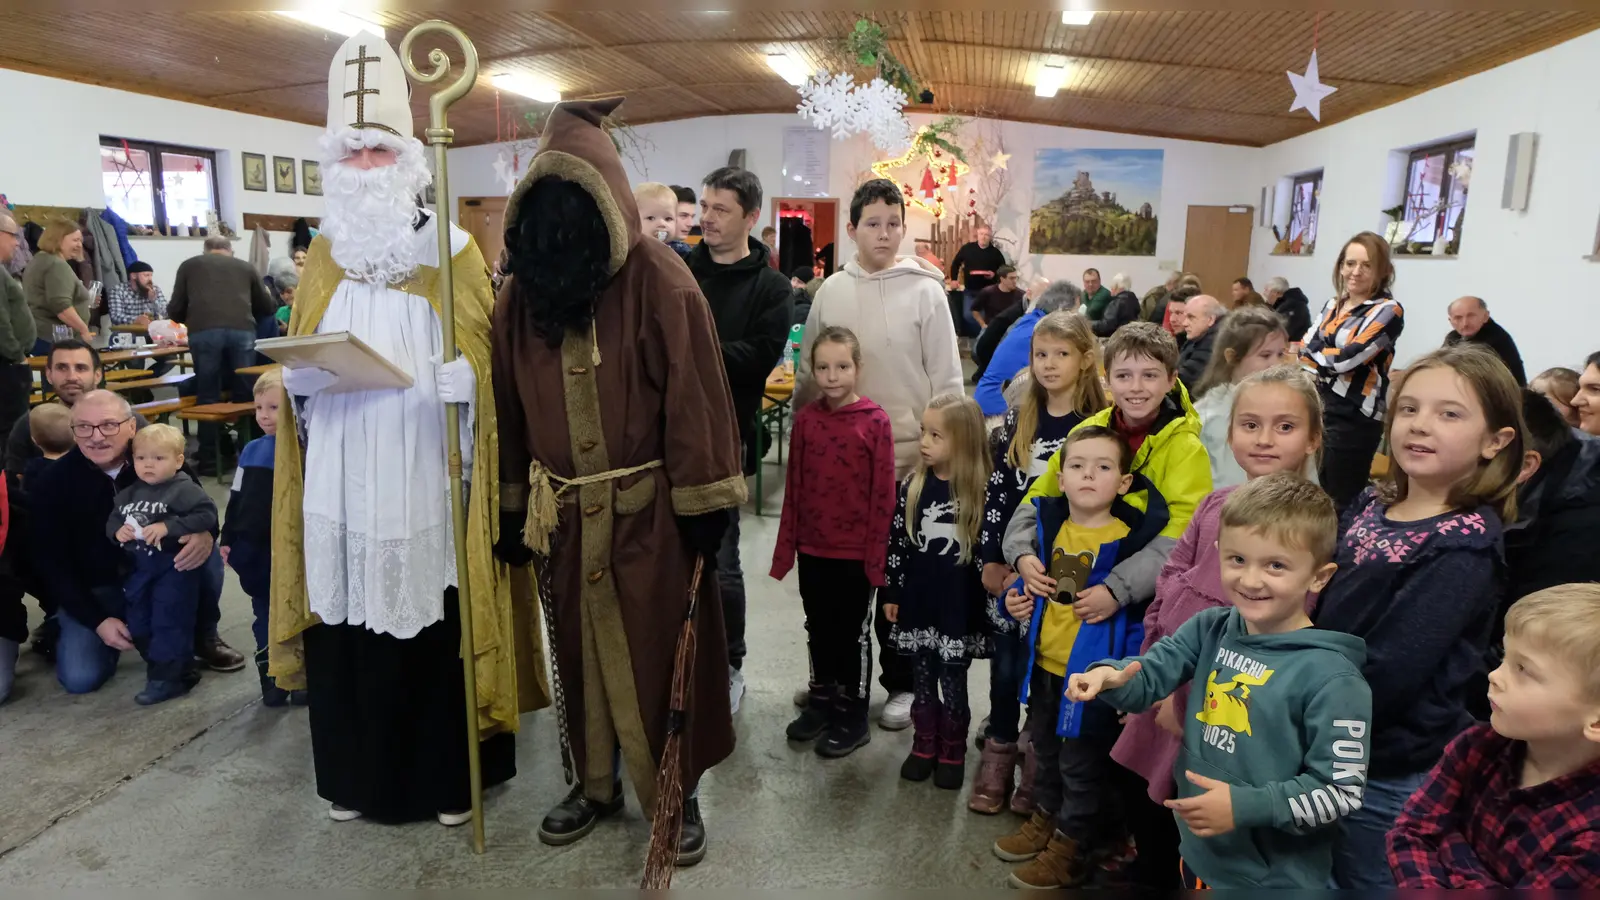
788 67
1077 17
1052 75
542 91
333 20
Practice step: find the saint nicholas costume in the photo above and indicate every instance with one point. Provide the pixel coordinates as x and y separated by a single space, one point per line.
364 610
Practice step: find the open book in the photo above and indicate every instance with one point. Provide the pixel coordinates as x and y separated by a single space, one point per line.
359 367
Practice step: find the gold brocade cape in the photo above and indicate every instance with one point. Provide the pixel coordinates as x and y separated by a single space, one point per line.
505 620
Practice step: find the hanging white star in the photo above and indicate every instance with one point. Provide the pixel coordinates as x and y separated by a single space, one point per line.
1309 90
998 161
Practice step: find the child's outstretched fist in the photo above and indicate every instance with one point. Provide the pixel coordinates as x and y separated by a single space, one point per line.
1085 686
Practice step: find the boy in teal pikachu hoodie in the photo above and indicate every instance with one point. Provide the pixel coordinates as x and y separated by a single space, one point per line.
1275 746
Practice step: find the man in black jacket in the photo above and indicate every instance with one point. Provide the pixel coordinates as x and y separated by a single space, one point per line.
1122 309
1469 321
975 265
753 306
1201 315
1291 304
78 565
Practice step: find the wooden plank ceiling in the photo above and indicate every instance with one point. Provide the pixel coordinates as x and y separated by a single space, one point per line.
1211 76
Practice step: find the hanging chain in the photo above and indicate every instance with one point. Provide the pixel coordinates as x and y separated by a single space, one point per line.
543 566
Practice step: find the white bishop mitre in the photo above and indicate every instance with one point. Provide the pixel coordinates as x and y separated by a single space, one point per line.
367 88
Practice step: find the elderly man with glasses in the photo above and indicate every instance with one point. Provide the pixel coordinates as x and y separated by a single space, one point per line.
80 568
16 333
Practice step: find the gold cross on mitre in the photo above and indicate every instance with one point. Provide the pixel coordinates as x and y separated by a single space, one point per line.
368 71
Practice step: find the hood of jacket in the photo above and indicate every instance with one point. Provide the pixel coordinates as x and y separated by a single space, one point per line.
575 147
1293 297
904 267
757 260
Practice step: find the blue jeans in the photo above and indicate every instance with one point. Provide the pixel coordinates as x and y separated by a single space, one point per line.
83 662
1361 858
218 355
1007 667
971 327
161 612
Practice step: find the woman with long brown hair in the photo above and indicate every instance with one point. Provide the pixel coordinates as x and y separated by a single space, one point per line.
54 292
1350 350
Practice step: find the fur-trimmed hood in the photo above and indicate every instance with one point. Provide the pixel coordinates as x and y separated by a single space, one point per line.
575 147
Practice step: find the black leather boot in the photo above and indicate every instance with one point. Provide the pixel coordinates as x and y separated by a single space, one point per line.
692 840
573 818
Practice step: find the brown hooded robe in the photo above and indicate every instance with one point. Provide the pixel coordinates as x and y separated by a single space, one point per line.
652 392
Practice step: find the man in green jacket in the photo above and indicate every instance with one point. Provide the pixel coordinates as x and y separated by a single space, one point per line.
16 333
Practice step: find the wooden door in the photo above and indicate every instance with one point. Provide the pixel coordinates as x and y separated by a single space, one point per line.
1216 246
485 219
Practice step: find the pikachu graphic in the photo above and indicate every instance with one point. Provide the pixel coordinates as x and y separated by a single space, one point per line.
1228 702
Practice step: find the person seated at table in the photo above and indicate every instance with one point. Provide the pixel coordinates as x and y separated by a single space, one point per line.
139 301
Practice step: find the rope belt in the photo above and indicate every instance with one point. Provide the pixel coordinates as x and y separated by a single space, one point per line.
544 499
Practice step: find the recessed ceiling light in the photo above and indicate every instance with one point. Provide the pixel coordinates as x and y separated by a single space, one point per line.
333 20
1052 75
788 67
1077 17
542 91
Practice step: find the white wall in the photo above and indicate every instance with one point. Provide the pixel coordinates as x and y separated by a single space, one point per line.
50 153
684 152
1529 266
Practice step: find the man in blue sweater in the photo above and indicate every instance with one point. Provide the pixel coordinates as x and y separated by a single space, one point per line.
1012 355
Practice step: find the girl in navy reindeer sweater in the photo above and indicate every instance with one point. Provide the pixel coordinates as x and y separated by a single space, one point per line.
935 593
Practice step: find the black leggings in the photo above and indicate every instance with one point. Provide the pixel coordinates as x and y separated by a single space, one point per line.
838 602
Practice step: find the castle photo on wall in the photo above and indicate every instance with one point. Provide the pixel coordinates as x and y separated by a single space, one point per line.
1095 202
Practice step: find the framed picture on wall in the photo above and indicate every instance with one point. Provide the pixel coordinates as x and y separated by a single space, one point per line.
283 178
255 171
311 177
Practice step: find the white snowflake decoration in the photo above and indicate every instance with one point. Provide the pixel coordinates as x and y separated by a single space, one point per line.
834 102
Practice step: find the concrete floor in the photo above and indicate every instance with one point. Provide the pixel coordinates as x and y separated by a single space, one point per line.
214 788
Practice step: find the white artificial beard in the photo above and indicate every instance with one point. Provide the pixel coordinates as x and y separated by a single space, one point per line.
370 215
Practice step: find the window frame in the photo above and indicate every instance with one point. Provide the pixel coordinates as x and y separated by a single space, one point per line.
1315 180
157 173
1451 150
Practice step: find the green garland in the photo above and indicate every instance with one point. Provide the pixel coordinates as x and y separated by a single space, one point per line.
868 46
940 135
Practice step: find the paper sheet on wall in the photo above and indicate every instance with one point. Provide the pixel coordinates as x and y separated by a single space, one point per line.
805 163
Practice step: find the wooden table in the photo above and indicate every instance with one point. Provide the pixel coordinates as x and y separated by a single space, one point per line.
776 399
131 329
38 363
150 383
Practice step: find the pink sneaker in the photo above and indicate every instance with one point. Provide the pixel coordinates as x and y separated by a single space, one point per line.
996 764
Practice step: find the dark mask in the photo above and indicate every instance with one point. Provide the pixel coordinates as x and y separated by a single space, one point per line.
559 256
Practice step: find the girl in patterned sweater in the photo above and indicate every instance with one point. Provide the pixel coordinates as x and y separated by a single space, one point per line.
1063 389
1419 578
837 502
935 595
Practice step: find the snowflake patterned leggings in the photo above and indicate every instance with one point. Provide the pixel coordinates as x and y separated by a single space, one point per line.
932 677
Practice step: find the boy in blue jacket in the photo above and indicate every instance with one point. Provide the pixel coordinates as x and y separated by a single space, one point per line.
1275 747
1084 533
247 530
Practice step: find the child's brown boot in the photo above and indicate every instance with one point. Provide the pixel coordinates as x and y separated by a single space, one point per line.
1063 864
1026 842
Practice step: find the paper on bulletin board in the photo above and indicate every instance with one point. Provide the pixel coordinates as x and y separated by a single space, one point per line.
805 163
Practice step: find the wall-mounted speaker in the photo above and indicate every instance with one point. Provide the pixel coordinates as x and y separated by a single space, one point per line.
736 159
1519 170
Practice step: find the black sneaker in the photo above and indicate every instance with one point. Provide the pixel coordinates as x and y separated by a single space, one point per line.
692 839
572 819
160 692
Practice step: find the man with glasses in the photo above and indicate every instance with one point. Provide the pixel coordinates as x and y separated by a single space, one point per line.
16 333
79 567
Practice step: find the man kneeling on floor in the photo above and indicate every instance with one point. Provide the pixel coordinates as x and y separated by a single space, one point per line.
79 567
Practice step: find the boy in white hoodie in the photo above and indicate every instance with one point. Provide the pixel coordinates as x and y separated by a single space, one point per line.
897 308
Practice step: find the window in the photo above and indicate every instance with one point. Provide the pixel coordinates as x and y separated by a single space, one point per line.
156 185
1436 192
1305 193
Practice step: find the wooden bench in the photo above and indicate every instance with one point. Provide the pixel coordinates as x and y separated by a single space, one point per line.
115 375
222 414
160 409
256 370
150 383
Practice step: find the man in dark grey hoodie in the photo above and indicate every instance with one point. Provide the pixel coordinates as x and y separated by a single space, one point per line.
753 306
